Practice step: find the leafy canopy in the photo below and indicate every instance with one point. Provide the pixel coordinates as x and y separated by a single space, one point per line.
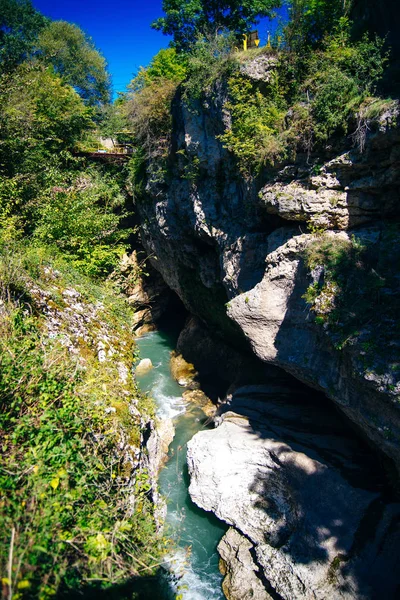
73 56
187 20
20 24
148 104
26 35
167 64
311 20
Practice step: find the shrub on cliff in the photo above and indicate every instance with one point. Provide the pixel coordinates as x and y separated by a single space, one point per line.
148 103
255 136
311 20
303 100
355 295
339 78
209 61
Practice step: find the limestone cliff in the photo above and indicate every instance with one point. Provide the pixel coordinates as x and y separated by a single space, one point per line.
234 250
300 266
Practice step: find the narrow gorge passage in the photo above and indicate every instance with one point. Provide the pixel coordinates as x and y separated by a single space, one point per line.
195 533
280 465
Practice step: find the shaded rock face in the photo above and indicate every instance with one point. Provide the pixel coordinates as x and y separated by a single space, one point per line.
146 290
282 330
233 251
309 516
220 366
201 233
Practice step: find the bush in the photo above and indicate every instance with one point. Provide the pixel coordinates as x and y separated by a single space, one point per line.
81 221
39 116
255 136
79 212
148 105
149 114
339 78
166 64
209 60
347 297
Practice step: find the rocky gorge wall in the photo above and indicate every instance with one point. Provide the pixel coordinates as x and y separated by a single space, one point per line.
233 251
299 266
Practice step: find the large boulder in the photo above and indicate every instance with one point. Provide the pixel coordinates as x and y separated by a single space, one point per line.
310 518
360 371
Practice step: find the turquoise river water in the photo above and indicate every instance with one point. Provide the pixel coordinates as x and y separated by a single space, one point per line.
196 533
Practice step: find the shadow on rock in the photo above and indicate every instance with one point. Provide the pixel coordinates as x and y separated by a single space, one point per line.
290 476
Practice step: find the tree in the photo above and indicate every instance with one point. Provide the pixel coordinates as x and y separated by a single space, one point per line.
20 25
40 115
167 64
148 104
311 20
187 20
74 57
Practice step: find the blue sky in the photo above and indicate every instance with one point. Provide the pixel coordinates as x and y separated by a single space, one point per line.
120 30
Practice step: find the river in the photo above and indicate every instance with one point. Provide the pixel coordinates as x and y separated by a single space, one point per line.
194 532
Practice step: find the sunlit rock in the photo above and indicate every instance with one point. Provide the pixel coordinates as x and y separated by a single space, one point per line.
183 372
144 366
286 472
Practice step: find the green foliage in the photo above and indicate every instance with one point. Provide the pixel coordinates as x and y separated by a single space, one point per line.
137 173
74 502
339 78
363 60
39 114
368 115
208 61
149 116
335 97
114 123
78 211
74 57
148 104
148 108
25 34
166 64
355 295
255 137
190 169
20 24
333 253
82 222
44 191
306 98
67 515
187 20
311 20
